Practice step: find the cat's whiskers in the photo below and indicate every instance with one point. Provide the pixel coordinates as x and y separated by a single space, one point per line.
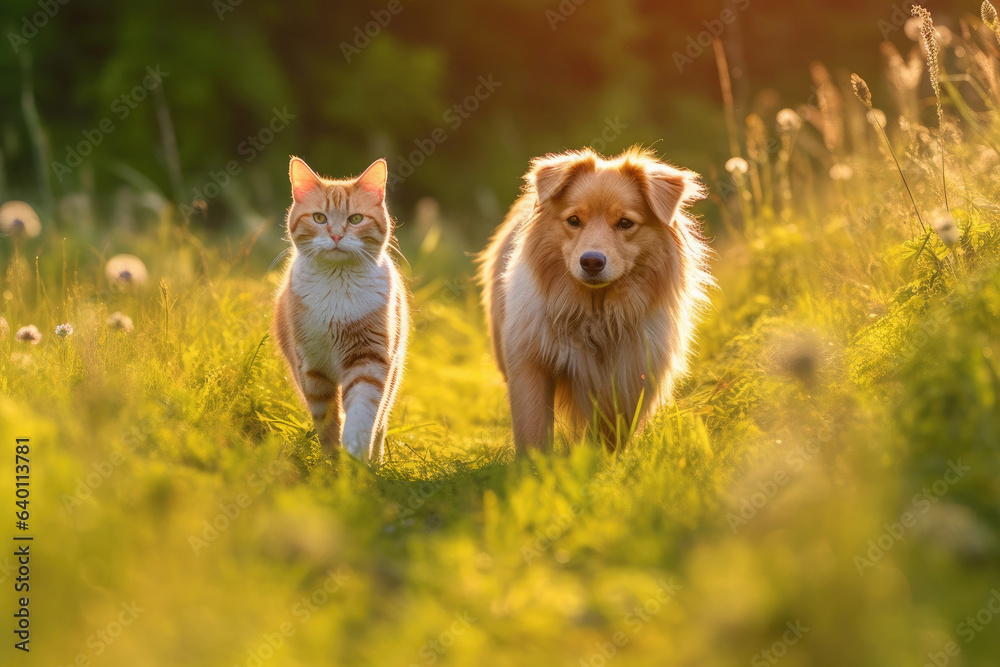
277 259
393 245
363 252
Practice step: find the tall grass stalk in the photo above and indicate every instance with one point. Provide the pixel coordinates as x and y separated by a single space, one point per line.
931 49
171 154
39 140
863 93
727 98
165 302
3 177
989 14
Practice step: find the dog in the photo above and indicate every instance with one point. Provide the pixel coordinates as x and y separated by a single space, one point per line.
592 288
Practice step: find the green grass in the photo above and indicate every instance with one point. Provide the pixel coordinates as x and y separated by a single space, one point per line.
843 376
190 417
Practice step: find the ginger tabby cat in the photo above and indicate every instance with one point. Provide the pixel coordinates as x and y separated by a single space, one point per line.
342 314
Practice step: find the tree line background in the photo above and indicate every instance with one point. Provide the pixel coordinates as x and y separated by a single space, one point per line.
360 80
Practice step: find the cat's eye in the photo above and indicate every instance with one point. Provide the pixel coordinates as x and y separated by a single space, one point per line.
573 221
625 223
319 218
355 219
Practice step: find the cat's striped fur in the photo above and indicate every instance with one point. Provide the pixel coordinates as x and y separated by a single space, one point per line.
342 314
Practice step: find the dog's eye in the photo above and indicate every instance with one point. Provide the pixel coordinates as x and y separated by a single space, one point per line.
319 218
573 221
625 223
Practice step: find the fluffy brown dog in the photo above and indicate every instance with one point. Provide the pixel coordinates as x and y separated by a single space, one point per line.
592 288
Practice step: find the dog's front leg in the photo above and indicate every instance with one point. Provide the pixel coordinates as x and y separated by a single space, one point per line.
532 403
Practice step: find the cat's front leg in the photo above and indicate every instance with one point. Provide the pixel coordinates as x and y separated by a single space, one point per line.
323 397
363 390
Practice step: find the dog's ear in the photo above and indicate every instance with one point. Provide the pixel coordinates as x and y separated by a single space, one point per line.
669 190
550 175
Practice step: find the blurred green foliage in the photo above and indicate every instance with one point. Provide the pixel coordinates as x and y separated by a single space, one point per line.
567 70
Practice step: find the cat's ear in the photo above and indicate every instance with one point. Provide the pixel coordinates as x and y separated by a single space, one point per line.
304 180
374 179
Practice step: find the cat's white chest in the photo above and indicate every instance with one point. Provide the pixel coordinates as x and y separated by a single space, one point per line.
331 298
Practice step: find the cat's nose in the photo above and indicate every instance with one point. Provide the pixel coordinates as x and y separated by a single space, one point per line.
336 239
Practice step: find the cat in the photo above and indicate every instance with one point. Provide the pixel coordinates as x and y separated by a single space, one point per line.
342 313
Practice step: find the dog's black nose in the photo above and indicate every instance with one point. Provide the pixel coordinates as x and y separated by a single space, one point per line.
593 262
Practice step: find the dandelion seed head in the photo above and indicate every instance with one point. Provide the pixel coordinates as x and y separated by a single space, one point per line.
17 218
944 225
798 354
29 335
737 166
841 172
126 270
876 117
64 330
120 322
788 120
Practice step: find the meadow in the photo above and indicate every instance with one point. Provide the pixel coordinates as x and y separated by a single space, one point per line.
824 491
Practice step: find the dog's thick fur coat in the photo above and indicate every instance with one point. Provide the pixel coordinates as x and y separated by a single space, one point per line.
592 287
